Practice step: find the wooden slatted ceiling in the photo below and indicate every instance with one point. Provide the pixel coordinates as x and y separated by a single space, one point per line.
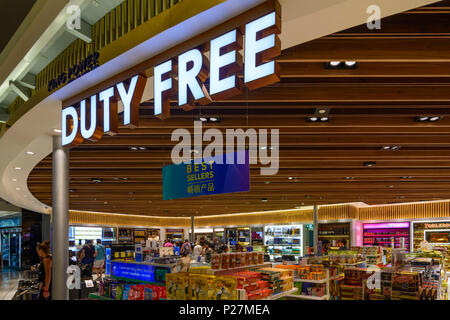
403 72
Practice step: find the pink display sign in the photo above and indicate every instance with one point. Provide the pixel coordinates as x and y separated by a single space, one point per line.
389 225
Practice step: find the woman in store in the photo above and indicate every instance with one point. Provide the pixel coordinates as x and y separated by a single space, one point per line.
45 270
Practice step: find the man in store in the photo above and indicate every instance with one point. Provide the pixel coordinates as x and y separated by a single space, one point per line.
99 262
186 248
86 259
197 251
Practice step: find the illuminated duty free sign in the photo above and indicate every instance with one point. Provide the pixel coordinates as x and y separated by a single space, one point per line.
184 76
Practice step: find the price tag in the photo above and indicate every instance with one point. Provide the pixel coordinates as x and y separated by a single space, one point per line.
89 283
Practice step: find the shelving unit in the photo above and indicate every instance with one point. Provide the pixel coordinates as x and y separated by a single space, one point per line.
325 281
284 240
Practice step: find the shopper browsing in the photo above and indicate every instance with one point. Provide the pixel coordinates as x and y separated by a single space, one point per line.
45 270
168 244
100 256
197 251
87 259
186 248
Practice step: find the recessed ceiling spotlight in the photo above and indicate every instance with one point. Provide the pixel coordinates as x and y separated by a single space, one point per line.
18 189
395 147
214 119
324 119
264 200
312 119
142 148
133 148
349 178
97 180
427 118
407 177
335 63
369 164
386 148
18 168
31 153
105 202
57 131
321 111
125 179
72 190
203 119
291 178
422 118
350 63
267 182
307 196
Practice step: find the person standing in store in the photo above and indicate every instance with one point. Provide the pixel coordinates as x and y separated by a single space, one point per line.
45 270
100 256
207 251
167 243
87 258
186 247
197 251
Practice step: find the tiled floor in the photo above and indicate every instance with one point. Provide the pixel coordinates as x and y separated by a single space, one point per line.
8 284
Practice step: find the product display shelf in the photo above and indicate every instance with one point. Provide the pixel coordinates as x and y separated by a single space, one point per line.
138 281
352 264
218 271
281 294
308 297
95 296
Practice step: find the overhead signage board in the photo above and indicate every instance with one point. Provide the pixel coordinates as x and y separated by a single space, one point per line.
207 178
184 76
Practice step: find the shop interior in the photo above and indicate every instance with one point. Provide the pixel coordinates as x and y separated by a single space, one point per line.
357 211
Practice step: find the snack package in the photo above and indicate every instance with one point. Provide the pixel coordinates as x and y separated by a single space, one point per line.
139 292
148 293
225 263
232 261
126 292
200 287
177 286
225 288
215 261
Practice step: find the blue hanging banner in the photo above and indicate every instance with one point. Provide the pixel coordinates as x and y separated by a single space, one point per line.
207 178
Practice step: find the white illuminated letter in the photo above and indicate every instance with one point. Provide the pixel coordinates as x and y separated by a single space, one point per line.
254 47
88 133
126 98
69 112
105 97
161 89
188 78
218 61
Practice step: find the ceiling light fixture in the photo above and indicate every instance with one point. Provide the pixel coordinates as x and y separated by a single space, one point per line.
390 148
427 118
369 164
97 180
264 200
31 153
349 178
18 189
18 168
57 131
341 65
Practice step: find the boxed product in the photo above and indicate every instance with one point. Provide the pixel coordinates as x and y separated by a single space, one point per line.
225 288
139 292
177 286
215 261
225 261
200 287
148 293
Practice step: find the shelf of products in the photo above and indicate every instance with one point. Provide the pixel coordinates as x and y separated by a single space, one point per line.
283 240
334 235
382 234
436 233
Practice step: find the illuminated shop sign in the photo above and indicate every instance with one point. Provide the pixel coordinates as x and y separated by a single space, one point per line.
184 76
437 225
